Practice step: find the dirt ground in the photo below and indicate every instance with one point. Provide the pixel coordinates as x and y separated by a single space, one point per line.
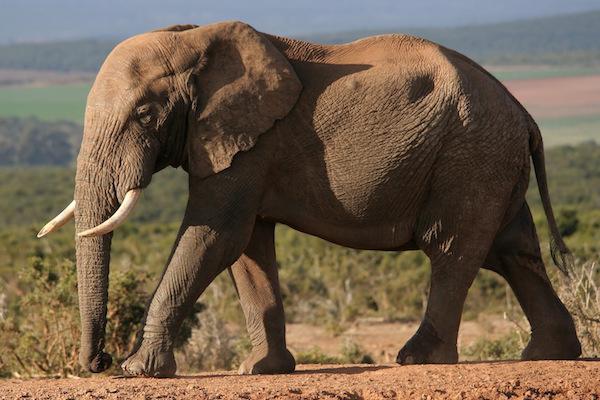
500 380
382 340
558 97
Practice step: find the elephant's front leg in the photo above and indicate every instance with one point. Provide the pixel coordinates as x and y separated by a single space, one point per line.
257 283
215 230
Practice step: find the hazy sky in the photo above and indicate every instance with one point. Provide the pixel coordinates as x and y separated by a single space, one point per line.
40 20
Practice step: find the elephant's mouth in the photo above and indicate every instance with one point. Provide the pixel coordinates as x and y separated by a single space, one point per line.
129 201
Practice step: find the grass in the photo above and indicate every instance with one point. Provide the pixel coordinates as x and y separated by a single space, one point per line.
51 103
569 130
508 347
350 353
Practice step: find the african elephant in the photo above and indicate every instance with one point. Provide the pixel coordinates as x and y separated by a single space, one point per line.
387 143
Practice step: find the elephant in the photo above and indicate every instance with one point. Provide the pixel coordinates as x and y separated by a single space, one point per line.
390 143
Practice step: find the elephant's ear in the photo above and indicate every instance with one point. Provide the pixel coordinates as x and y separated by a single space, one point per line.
240 87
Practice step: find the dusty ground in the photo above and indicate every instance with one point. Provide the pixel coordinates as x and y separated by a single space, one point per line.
501 380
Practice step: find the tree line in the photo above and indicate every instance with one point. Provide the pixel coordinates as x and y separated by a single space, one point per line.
565 39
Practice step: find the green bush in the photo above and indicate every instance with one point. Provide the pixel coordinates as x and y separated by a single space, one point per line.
351 353
508 347
40 328
40 332
315 355
568 222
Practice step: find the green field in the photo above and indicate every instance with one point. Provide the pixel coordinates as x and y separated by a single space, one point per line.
51 103
569 130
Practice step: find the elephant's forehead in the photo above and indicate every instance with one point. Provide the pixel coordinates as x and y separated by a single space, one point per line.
111 87
135 62
143 46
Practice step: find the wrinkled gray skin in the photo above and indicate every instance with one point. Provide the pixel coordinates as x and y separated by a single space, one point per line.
387 143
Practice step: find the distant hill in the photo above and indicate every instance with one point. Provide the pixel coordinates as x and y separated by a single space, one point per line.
567 39
45 20
33 142
571 38
79 55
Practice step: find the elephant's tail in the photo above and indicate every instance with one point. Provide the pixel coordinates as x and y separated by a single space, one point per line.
561 255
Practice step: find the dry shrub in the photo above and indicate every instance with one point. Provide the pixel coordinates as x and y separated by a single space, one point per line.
40 331
212 346
39 326
581 294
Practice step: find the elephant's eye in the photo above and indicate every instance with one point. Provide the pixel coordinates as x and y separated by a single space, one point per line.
144 114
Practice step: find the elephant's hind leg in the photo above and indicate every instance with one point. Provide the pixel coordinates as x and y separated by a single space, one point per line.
516 256
257 283
456 243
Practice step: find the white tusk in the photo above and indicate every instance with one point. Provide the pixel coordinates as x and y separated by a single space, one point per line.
65 216
131 197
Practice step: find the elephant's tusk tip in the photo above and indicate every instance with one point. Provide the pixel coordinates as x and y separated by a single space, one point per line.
45 230
87 233
65 216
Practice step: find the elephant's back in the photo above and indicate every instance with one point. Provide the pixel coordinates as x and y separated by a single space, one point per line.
397 49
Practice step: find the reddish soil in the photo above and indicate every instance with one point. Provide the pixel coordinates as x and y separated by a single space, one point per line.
382 340
500 380
18 77
558 97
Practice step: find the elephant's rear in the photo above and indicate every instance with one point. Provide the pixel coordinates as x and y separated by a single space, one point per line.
523 132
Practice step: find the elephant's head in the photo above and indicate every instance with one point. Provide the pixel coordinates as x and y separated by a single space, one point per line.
186 95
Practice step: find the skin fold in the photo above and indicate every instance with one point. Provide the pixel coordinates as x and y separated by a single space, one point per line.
387 143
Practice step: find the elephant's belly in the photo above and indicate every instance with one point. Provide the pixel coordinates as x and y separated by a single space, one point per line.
373 228
395 235
362 208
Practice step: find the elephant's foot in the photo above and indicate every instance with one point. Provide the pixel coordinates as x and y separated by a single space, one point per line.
101 362
561 345
151 359
426 347
268 362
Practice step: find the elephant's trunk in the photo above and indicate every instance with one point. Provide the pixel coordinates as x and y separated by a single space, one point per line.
93 259
104 178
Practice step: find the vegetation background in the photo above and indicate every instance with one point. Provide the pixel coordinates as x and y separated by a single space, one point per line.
43 86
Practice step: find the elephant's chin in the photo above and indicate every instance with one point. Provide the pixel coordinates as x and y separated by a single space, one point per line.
100 363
